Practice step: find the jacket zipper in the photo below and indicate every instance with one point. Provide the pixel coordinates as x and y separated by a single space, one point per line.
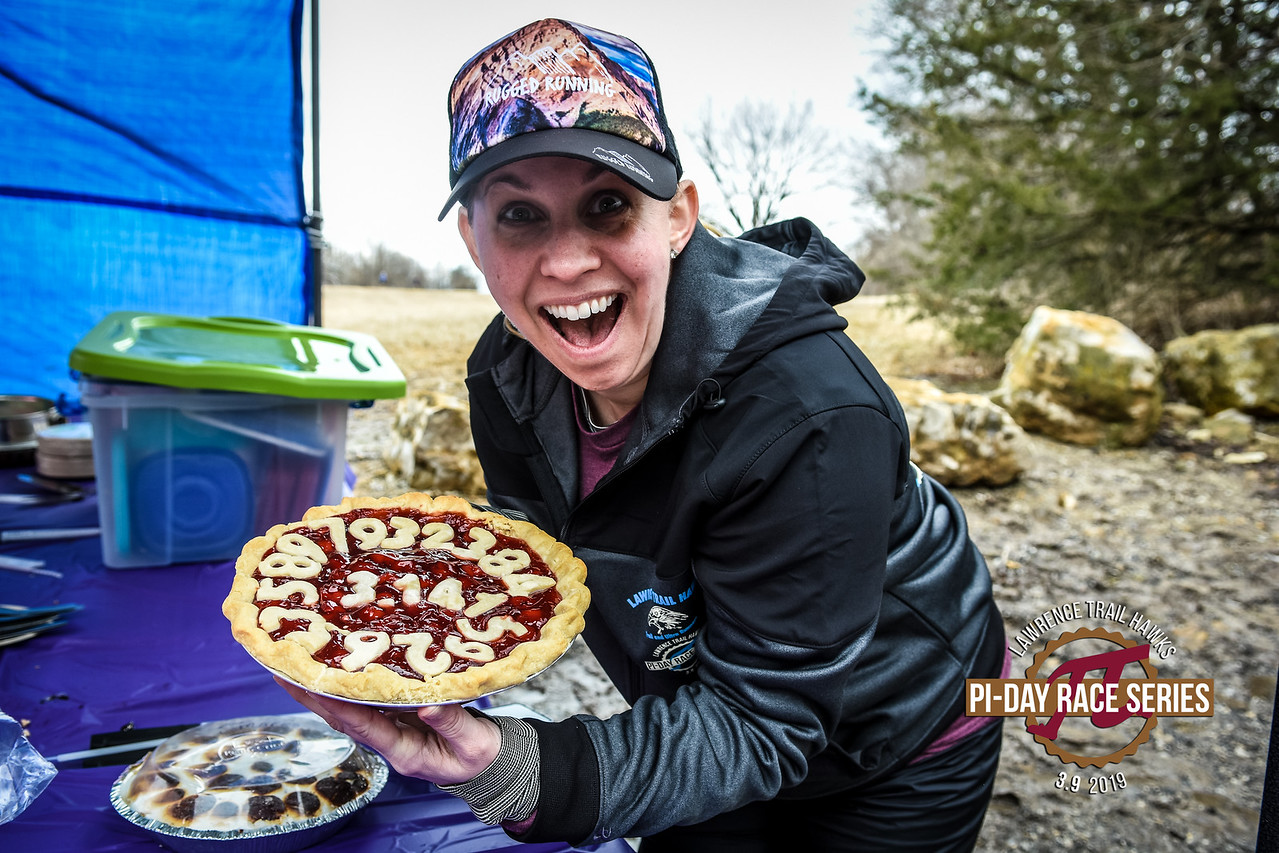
710 399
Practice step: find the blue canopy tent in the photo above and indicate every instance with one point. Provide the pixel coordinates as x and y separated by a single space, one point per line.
151 159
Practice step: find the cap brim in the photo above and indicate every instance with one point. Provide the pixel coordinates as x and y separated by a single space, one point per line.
642 167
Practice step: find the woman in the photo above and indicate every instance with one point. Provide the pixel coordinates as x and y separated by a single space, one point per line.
790 607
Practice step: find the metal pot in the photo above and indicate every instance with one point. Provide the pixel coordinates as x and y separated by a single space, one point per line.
21 418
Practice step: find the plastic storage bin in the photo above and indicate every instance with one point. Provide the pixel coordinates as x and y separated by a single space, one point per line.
237 425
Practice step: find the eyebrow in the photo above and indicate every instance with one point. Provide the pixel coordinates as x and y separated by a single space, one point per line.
518 183
491 180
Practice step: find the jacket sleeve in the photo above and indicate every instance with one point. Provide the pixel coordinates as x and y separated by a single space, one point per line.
791 560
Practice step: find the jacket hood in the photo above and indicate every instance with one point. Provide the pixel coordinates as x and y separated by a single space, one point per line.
820 261
730 301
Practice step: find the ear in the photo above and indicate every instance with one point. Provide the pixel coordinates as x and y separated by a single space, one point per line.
685 208
468 236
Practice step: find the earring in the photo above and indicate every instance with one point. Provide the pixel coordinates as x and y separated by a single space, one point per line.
674 254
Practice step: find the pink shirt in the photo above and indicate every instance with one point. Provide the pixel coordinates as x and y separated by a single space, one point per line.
963 725
597 451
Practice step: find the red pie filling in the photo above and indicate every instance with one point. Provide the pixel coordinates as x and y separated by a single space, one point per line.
431 567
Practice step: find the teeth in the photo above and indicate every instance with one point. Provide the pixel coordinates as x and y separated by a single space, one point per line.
580 311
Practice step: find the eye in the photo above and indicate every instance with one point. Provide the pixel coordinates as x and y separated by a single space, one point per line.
517 213
608 203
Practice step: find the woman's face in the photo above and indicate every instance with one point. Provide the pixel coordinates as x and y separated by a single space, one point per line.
578 260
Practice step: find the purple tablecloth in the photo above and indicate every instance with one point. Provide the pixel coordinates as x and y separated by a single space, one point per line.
151 648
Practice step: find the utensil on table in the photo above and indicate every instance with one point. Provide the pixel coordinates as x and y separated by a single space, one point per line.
36 534
50 491
18 623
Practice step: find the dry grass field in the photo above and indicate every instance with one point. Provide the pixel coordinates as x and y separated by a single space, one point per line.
429 333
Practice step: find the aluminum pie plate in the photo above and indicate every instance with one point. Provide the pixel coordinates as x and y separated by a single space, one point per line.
412 706
320 745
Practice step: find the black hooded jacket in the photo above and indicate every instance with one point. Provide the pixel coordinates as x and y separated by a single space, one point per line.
789 605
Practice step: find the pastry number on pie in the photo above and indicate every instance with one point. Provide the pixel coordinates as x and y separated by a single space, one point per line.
363 647
282 565
313 637
336 528
437 534
269 591
297 545
416 646
372 533
481 539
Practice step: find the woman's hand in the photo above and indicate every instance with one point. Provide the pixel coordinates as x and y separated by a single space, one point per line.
443 744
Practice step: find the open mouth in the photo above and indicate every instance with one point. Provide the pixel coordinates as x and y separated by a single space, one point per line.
586 324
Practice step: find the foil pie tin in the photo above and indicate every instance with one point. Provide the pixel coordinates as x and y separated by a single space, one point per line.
298 746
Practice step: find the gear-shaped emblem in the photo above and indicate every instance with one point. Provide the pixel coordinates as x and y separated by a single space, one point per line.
1049 744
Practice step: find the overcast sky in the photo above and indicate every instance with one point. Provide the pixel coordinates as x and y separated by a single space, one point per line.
386 66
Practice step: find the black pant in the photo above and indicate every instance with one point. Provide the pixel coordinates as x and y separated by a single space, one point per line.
933 805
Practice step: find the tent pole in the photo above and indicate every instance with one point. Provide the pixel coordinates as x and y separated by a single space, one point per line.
315 221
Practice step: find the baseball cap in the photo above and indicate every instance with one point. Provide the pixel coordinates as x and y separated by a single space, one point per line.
554 87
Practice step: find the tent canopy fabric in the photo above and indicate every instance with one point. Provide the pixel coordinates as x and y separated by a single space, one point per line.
150 160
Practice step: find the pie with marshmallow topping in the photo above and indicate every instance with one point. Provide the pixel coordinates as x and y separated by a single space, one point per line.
409 600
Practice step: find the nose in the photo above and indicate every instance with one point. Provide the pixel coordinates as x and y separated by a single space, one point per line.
568 253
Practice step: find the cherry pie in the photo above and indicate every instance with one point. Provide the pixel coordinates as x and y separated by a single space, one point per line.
410 600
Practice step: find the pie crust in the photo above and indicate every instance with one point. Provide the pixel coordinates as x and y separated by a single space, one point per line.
411 600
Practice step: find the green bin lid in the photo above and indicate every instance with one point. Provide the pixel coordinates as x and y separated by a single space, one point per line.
238 354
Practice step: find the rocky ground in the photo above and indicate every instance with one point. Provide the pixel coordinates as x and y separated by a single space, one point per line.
1171 530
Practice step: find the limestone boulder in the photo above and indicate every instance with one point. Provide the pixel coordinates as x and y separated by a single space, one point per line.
960 439
1082 378
431 446
1229 426
1182 417
1220 370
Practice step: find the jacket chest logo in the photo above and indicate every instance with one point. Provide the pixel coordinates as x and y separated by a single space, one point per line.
670 629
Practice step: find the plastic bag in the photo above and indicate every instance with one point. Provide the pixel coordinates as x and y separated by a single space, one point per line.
24 773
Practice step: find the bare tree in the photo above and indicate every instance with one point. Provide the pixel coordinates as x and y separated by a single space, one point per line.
757 154
892 249
383 266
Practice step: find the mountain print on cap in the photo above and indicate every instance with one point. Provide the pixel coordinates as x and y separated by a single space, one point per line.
553 74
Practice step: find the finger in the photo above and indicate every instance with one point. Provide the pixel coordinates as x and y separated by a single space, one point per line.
473 741
408 719
449 721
